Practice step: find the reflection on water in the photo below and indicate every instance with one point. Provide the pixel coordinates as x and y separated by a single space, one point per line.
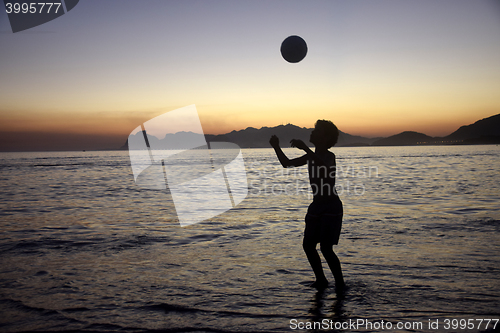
84 248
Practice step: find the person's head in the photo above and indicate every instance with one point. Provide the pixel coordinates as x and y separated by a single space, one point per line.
325 133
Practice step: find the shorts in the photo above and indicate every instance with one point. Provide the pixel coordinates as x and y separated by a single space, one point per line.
324 222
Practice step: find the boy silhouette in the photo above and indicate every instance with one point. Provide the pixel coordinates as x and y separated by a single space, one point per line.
324 215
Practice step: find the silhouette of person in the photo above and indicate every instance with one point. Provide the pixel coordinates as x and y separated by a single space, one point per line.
324 215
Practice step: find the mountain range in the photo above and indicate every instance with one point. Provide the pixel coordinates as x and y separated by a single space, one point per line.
484 131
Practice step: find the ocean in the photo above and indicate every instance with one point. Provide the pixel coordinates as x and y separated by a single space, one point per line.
84 249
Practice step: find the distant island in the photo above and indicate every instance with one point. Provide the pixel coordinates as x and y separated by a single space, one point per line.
484 131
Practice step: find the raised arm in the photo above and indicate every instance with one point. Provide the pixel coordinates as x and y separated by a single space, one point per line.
328 160
284 160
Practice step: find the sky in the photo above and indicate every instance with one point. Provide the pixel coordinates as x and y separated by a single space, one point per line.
375 68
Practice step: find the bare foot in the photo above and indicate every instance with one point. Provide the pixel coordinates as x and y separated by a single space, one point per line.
341 289
319 284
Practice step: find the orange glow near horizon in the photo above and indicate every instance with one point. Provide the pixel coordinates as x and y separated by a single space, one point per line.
362 123
371 108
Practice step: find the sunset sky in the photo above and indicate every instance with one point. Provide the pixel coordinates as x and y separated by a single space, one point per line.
375 68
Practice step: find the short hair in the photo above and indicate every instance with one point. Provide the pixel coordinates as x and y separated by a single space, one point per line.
331 131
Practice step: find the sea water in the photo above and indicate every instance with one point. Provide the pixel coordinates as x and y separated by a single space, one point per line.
83 248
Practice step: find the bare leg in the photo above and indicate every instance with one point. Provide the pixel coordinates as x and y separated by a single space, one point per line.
315 262
334 263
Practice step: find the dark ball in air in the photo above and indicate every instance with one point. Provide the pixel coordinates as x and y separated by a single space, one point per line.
293 49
